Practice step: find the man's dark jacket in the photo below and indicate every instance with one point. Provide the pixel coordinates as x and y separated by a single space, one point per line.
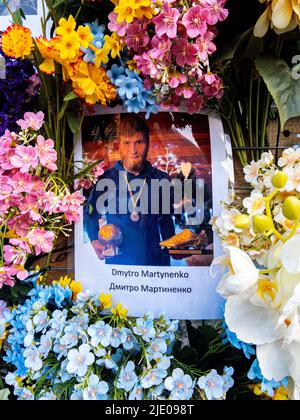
140 245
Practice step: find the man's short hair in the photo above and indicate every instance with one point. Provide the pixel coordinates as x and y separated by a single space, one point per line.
130 125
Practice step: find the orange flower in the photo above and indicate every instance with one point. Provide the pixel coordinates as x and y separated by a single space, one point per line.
17 42
92 84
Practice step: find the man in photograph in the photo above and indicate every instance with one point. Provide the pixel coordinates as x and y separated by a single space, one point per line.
137 234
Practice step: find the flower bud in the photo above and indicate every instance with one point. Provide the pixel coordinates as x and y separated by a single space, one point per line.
262 223
291 208
242 221
280 179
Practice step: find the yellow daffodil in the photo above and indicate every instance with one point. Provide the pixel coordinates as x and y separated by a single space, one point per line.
102 55
105 301
17 42
281 394
147 12
92 84
50 52
69 47
131 64
126 10
66 27
76 288
113 44
120 311
85 36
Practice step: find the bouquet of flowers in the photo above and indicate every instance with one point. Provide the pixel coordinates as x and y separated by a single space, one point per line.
65 344
261 236
35 203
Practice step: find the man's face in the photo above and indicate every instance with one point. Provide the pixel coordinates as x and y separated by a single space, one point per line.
134 150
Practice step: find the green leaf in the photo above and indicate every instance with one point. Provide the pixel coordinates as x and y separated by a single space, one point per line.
85 171
70 97
229 50
282 85
74 121
17 17
4 394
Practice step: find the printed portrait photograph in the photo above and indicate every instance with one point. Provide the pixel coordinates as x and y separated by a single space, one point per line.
152 203
29 7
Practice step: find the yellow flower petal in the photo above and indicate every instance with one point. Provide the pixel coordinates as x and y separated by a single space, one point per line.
262 25
282 14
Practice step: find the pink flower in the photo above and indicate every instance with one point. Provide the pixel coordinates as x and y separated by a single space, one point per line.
29 206
6 276
166 21
195 21
205 46
217 12
160 45
212 86
42 240
195 103
17 255
49 202
185 90
146 65
70 206
137 38
114 26
185 53
20 224
5 143
32 121
24 158
23 183
176 79
6 187
46 153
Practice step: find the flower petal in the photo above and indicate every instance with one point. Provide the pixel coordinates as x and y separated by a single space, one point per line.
252 324
274 360
282 14
290 256
262 25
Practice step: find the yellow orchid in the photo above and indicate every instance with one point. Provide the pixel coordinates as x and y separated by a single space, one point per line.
17 42
92 84
120 311
105 301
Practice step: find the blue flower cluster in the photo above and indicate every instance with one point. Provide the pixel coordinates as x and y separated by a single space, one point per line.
267 387
131 90
98 41
230 337
216 386
19 86
72 350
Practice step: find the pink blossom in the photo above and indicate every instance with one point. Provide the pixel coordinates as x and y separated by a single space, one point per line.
70 206
24 158
32 121
49 202
217 12
46 153
5 160
185 53
205 46
137 38
20 224
42 240
146 65
195 21
176 79
185 90
195 103
166 21
160 45
17 255
212 86
114 26
6 276
6 187
29 206
5 143
23 183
